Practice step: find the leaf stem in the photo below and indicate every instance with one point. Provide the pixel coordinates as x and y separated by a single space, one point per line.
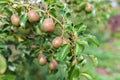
56 20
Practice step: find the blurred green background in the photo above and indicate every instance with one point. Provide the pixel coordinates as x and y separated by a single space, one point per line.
108 53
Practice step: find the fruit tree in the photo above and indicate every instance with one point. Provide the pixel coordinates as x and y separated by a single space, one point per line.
40 41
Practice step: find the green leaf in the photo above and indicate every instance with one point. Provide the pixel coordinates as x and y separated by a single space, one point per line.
94 59
62 52
38 31
86 76
82 42
3 64
3 35
93 39
5 1
75 73
6 28
53 11
78 49
82 28
24 31
10 38
23 20
2 46
7 77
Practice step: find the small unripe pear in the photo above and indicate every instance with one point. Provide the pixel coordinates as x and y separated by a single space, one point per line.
53 65
33 16
48 25
15 20
57 42
42 59
65 41
88 7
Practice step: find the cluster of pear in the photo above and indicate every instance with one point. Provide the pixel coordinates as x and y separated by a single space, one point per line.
48 27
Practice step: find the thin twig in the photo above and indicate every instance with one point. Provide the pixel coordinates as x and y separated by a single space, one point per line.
57 20
2 16
24 4
41 11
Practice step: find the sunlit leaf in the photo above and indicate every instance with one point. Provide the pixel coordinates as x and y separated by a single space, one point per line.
92 39
94 59
78 49
23 20
75 73
82 42
82 28
87 76
3 64
62 52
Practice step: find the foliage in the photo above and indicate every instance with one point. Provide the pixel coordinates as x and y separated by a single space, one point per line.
23 46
